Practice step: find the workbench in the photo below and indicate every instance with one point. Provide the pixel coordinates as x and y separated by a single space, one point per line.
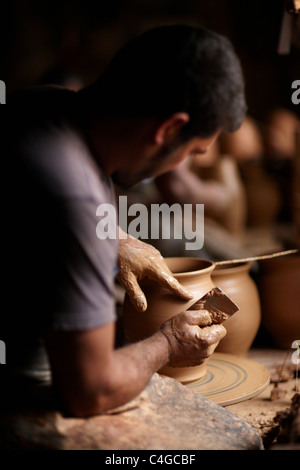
261 411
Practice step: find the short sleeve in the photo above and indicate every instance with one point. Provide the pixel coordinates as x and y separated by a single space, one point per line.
58 273
85 288
72 271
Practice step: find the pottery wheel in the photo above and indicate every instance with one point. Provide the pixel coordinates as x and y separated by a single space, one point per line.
231 379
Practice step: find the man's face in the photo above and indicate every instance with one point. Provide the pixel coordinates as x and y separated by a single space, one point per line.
162 161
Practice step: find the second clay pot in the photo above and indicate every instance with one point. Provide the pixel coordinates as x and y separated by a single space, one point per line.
235 280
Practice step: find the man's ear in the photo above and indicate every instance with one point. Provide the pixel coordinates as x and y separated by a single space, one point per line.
170 128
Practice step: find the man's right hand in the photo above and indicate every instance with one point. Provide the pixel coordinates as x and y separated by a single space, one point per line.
192 337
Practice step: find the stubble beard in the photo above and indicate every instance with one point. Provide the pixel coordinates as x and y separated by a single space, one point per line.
156 166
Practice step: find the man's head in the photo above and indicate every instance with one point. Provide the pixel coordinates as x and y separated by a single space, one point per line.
185 76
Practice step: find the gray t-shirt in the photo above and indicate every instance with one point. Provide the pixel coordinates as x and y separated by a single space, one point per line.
69 173
61 274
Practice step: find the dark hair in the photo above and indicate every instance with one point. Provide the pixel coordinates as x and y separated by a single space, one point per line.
171 69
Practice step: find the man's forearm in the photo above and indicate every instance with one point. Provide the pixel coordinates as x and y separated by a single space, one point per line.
132 367
92 377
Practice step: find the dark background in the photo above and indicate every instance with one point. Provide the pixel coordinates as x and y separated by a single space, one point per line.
79 37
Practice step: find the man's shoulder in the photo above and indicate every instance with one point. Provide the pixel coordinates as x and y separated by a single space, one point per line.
62 159
44 136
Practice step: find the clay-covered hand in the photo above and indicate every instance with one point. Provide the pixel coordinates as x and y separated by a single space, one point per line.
138 260
192 337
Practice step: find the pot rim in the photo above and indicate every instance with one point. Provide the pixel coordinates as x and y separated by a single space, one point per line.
210 265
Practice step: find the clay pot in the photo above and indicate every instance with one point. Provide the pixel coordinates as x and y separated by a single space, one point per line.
193 273
279 287
242 327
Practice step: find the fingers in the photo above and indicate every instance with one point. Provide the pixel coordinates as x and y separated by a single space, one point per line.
195 327
134 291
198 325
213 334
165 278
140 259
191 344
198 317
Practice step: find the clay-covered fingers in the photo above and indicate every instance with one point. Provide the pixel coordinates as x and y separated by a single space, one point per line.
210 338
196 317
161 274
138 260
212 335
136 295
191 337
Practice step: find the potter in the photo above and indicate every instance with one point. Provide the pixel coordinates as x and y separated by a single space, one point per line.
139 120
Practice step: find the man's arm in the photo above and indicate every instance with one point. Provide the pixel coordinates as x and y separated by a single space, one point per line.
91 376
